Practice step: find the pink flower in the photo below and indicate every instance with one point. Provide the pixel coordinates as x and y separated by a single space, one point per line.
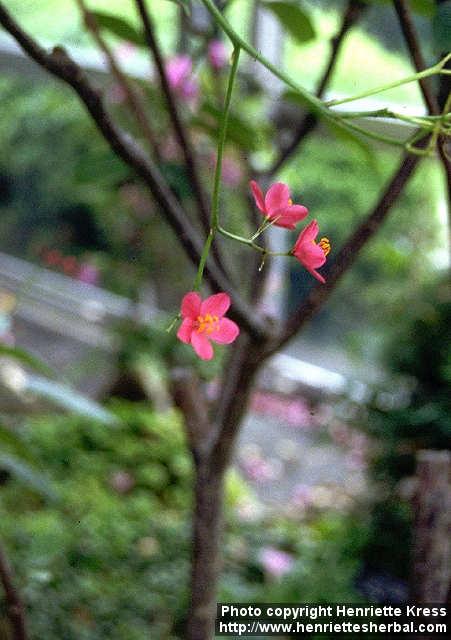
204 321
275 562
217 54
179 72
310 254
88 273
277 205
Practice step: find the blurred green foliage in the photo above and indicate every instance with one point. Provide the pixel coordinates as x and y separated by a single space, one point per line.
110 557
82 200
422 351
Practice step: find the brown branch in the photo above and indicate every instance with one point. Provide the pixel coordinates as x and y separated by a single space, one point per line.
351 15
14 606
189 398
130 91
182 137
412 42
62 66
434 104
349 252
181 134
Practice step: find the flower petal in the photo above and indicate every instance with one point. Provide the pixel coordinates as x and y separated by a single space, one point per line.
277 197
215 305
185 330
191 305
228 331
201 345
289 217
308 234
258 196
316 275
310 254
298 211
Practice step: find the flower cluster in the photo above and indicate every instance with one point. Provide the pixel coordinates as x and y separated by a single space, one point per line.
204 321
278 208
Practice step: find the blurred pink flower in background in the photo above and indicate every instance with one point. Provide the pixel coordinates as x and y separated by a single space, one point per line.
232 173
302 496
275 562
122 481
294 411
217 54
88 273
179 72
257 469
125 51
116 94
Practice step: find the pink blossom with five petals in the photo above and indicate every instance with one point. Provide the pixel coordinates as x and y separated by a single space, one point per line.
310 254
277 205
204 321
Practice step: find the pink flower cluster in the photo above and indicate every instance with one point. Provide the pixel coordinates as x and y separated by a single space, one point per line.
204 321
278 208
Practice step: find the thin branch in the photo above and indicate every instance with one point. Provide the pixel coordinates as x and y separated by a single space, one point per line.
62 66
433 103
14 606
412 42
130 91
189 398
351 15
181 134
349 252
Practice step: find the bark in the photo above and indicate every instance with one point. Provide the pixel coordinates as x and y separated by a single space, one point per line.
431 571
209 488
206 557
14 606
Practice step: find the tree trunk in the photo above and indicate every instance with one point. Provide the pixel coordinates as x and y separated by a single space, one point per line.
431 571
206 559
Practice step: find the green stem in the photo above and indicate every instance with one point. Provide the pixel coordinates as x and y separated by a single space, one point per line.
214 222
315 104
420 121
202 261
437 68
250 243
222 137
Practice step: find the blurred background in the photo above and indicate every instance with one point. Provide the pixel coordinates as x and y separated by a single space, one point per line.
95 498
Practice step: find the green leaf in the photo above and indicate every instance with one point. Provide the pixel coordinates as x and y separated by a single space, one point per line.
294 20
27 359
23 472
119 27
441 27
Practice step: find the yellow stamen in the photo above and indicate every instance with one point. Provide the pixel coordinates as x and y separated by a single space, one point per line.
207 323
290 202
325 245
